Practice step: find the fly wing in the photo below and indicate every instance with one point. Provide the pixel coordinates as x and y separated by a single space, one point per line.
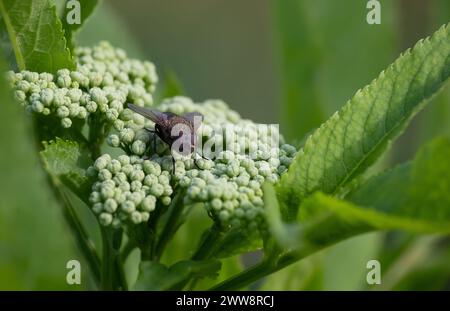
195 119
152 114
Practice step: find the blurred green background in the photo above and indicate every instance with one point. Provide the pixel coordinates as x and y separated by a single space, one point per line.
292 62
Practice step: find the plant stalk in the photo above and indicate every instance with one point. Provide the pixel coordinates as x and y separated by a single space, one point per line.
113 276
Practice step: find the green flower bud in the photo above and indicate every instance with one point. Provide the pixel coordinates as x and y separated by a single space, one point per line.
149 203
127 115
97 208
193 192
112 114
118 125
126 135
135 197
116 223
163 180
91 106
157 190
150 180
136 185
94 197
38 106
167 190
63 112
104 174
216 204
137 175
113 140
105 219
114 166
166 201
224 216
74 95
110 205
138 147
64 81
124 159
127 169
20 96
107 192
136 217
82 113
102 162
145 216
66 122
124 186
128 207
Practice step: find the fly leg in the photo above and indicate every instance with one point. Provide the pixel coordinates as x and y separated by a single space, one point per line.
195 159
173 165
154 132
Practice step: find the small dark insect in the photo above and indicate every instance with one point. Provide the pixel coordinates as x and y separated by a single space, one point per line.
172 128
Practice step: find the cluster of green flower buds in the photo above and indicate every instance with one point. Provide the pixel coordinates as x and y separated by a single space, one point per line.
228 183
105 79
128 189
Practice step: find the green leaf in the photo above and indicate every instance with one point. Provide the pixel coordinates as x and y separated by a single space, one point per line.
64 160
36 35
86 8
412 197
299 59
353 138
156 276
419 190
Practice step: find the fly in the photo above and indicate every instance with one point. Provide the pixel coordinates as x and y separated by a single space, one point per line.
174 130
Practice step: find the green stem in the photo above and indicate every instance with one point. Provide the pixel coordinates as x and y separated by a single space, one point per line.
113 277
148 248
210 243
97 131
256 272
173 222
128 248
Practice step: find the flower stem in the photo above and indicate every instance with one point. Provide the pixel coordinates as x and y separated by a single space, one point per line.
255 273
209 244
173 222
113 276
